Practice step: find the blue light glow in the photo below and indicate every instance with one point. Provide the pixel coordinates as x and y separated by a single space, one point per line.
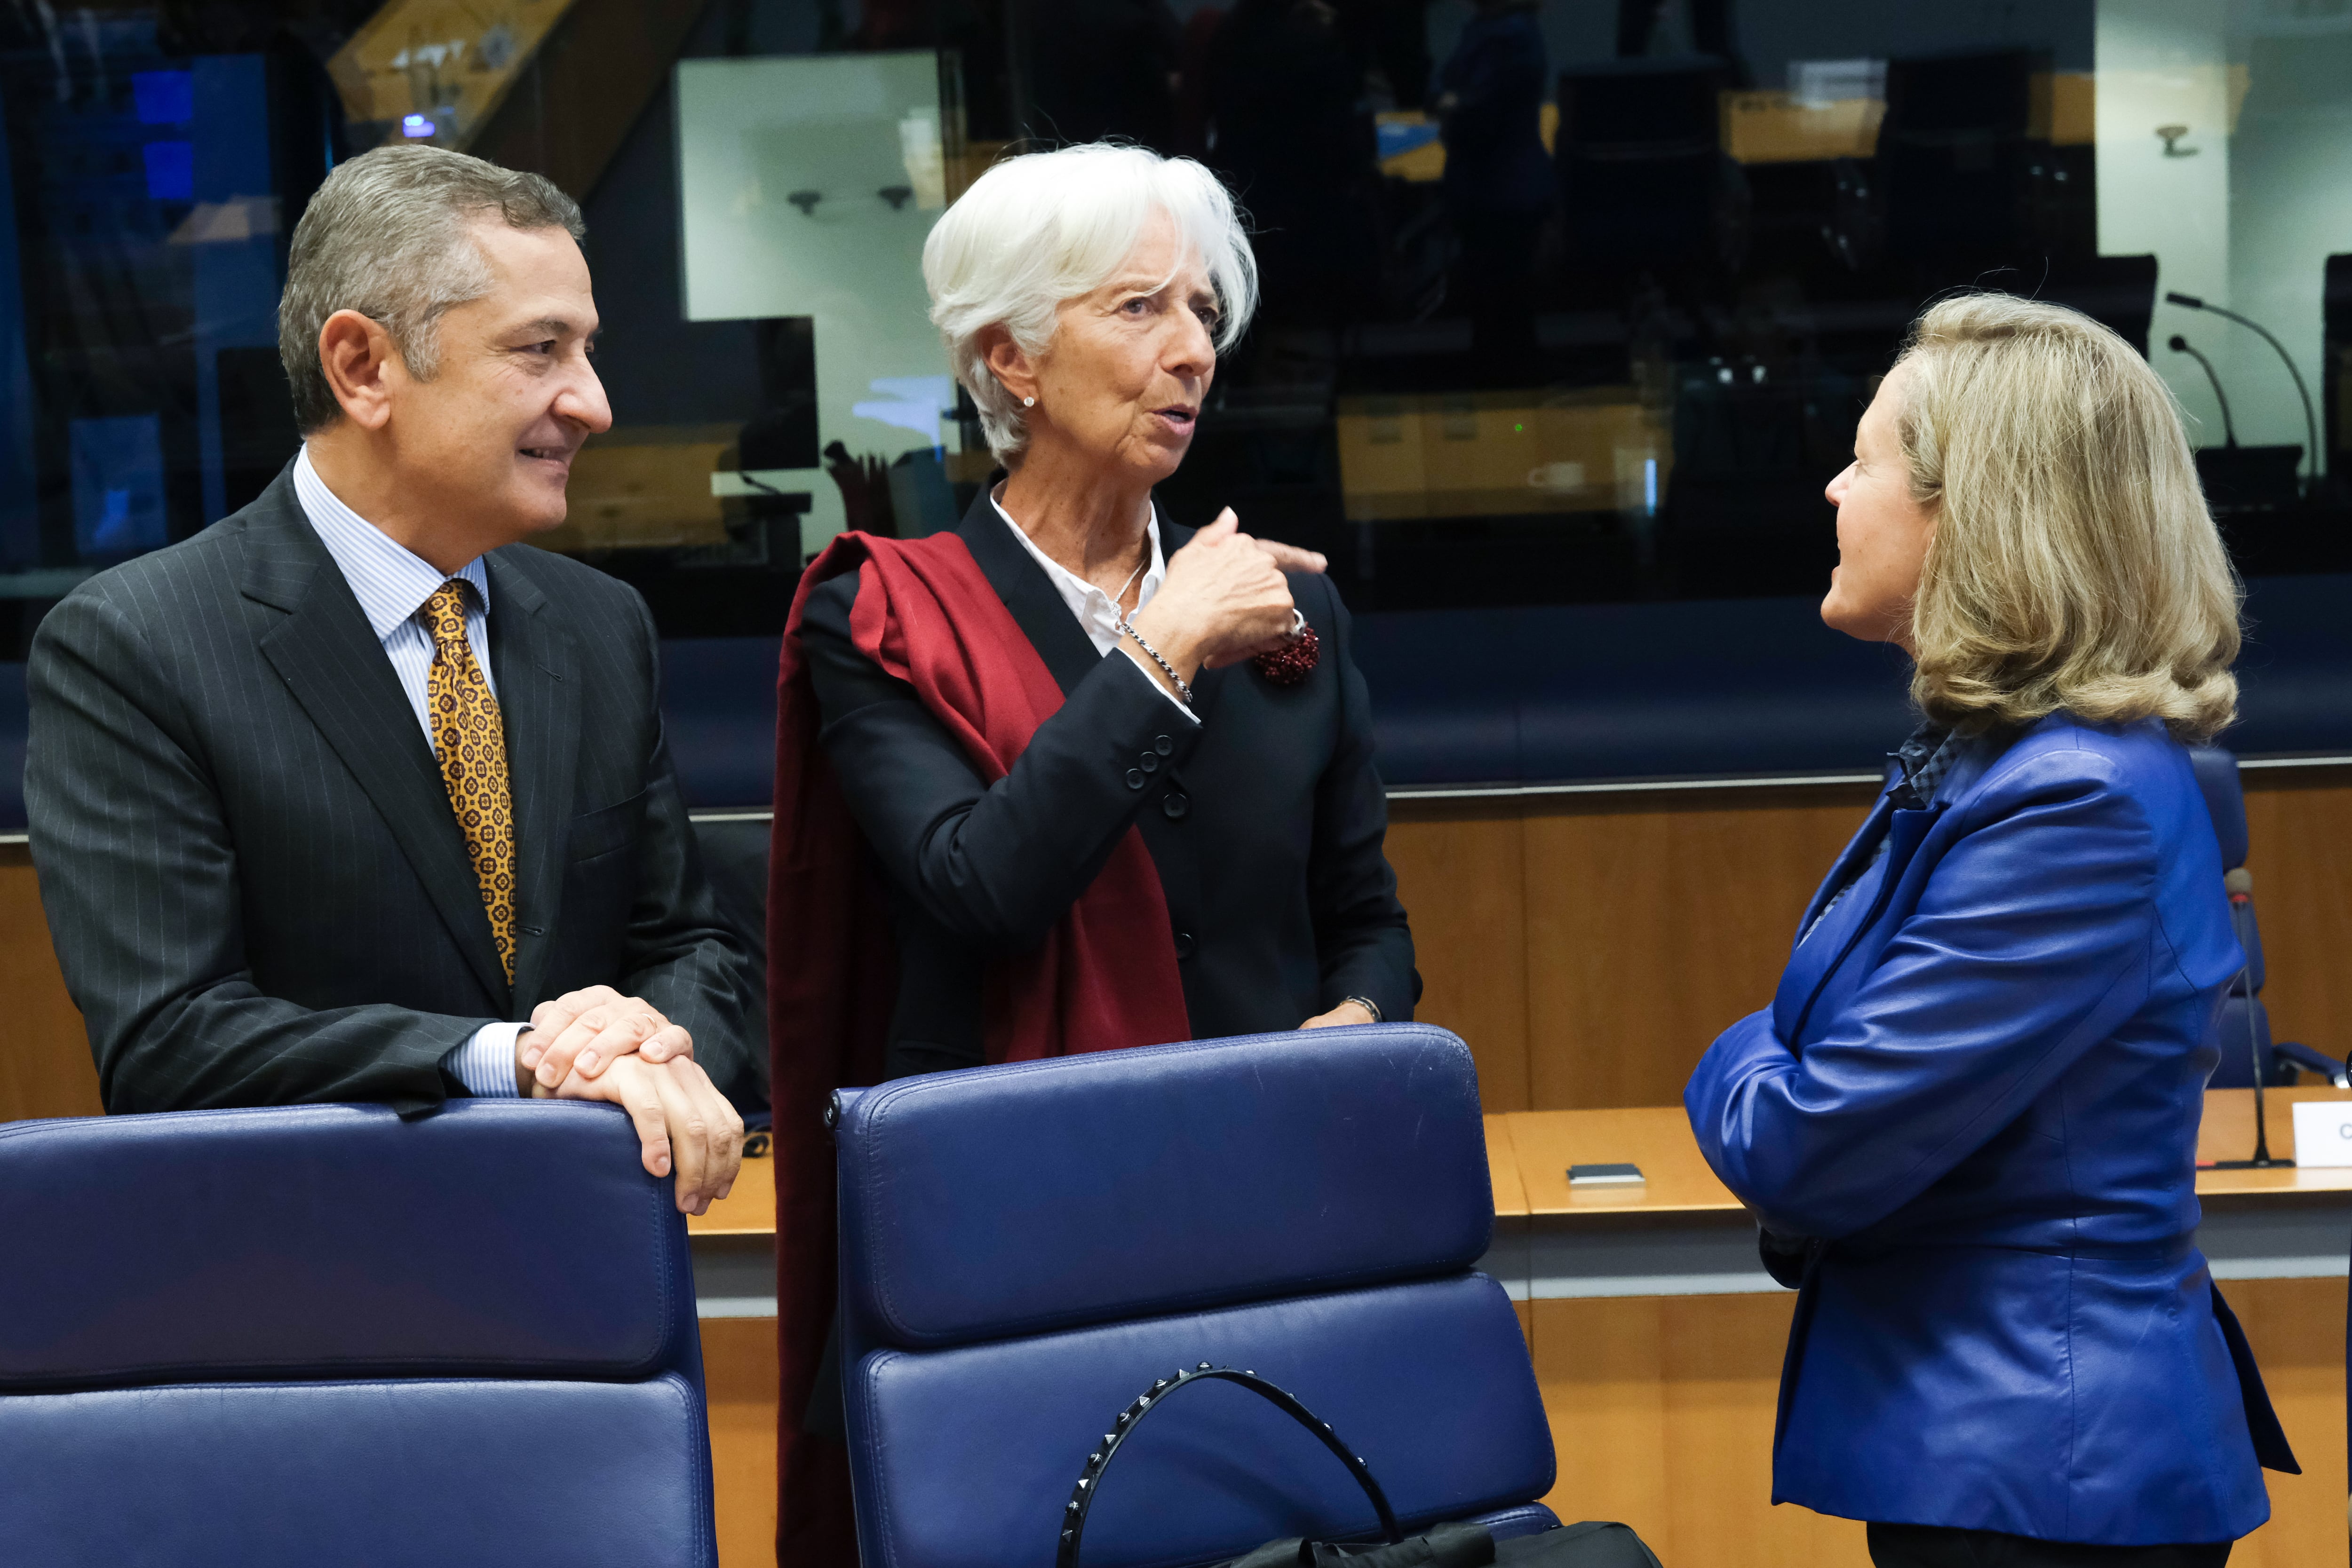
414 125
163 97
170 171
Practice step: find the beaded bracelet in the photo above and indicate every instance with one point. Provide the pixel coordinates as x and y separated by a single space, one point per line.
1169 670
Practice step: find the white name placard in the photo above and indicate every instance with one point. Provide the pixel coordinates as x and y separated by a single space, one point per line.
2323 1132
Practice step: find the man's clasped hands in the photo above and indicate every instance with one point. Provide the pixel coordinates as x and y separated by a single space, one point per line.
597 1044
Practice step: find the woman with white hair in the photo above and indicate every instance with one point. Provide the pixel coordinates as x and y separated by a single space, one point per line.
1073 776
1969 1120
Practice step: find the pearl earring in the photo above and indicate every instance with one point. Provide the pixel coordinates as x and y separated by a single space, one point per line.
1028 402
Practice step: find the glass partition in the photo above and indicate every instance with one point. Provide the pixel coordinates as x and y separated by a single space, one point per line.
1564 301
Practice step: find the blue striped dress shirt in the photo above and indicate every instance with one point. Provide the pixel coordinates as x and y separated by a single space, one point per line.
391 583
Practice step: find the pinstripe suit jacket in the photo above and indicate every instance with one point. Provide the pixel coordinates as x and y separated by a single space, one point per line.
257 888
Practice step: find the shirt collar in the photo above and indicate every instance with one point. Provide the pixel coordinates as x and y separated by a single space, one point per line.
1088 603
1924 759
391 581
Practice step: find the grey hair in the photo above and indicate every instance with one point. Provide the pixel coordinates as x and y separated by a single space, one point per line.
1046 227
385 236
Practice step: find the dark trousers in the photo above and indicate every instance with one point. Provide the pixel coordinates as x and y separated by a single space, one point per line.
1927 1546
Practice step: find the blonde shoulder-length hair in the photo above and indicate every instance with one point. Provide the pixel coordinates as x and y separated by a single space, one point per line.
2074 564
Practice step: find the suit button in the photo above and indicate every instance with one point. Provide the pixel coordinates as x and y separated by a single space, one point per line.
1175 803
1165 747
1151 763
1184 943
1135 778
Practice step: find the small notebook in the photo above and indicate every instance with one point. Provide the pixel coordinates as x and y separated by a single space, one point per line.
1604 1175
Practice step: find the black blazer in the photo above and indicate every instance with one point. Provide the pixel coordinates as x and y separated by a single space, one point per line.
1264 819
259 892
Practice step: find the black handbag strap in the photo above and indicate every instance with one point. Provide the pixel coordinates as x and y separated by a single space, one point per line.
1073 1517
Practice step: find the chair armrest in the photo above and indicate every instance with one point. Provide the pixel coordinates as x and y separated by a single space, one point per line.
2310 1061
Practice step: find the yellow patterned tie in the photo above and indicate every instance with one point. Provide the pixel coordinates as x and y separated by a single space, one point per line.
472 740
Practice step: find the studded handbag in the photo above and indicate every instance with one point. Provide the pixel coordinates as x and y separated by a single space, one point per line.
1465 1544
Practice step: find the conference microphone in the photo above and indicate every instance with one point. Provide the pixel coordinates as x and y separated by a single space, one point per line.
2240 477
2180 345
2310 419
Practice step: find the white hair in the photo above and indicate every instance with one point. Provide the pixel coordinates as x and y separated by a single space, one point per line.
1046 227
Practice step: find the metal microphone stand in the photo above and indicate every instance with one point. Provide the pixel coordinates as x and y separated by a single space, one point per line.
2262 1160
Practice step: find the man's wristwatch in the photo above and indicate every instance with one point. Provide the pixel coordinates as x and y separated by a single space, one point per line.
1366 1003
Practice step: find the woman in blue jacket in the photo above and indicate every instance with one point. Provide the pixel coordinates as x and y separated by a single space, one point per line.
1967 1122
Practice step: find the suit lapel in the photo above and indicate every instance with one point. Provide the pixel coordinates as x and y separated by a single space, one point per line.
1037 608
539 698
1858 850
331 660
1818 957
1041 612
1824 951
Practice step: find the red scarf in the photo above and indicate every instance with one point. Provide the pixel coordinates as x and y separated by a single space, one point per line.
1105 978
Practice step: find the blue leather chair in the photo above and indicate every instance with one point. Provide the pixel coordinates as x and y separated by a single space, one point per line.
1026 1249
281 1338
2243 1027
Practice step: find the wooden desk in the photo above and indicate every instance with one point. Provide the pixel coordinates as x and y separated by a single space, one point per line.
1682 1233
1655 1138
1657 1337
734 1248
1503 1170
2228 1134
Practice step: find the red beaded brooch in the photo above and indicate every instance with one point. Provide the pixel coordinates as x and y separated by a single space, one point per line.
1288 665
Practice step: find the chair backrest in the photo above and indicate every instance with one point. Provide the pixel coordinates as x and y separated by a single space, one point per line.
2242 1028
2334 390
1642 108
2225 800
1938 98
1638 161
1026 1249
1952 154
2117 291
323 1334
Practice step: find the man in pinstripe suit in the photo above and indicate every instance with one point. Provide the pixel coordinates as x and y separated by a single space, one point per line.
353 796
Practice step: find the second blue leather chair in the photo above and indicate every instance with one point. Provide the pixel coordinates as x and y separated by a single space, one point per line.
281 1338
1026 1249
2243 1027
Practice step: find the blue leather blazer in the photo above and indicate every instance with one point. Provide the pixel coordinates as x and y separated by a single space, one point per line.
1978 1090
